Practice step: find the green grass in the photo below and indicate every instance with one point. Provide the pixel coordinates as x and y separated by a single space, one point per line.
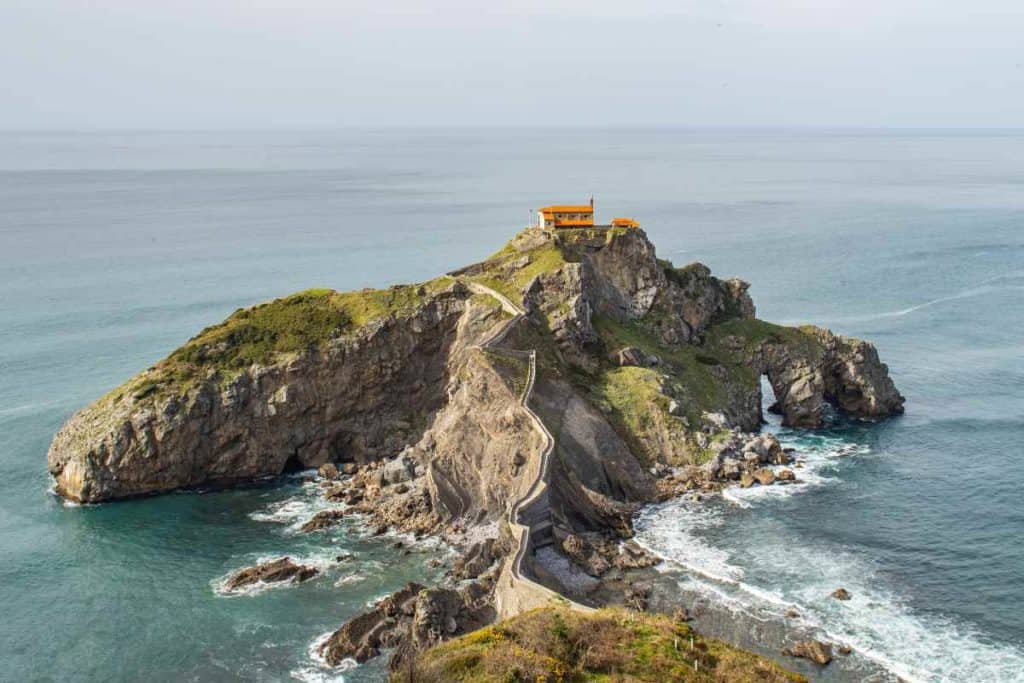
511 282
265 332
755 333
558 644
514 370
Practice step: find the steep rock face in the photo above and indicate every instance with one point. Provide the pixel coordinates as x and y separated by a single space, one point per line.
838 370
336 402
595 477
481 450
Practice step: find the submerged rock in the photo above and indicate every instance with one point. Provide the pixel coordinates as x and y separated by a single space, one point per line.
841 594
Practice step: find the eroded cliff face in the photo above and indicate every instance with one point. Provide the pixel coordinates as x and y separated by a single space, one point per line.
338 401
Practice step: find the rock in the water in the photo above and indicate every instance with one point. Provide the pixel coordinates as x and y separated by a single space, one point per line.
785 475
328 471
764 476
844 650
276 571
814 650
841 594
409 620
322 520
747 480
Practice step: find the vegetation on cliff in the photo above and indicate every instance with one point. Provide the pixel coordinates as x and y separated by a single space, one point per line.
262 333
557 644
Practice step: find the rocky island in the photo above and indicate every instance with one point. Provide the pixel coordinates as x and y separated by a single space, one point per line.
523 408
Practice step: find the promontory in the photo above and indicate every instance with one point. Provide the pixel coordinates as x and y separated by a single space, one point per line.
540 396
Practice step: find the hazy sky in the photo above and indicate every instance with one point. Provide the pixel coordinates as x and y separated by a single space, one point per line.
219 63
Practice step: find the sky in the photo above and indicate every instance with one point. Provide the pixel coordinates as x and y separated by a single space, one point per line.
108 64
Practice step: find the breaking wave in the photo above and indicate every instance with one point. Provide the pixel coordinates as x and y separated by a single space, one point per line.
764 574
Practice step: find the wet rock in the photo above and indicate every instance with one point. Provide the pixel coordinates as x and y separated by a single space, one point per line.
814 650
328 471
764 476
362 637
786 475
276 571
322 520
409 620
841 594
747 480
792 614
844 650
349 468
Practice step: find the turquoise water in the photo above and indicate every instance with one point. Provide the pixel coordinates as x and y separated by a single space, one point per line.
115 248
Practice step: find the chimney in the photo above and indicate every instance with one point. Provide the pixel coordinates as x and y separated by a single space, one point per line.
591 201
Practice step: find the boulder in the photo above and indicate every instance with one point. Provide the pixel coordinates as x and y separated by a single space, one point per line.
785 475
328 471
275 571
814 650
397 471
322 520
629 355
764 476
841 594
747 480
731 470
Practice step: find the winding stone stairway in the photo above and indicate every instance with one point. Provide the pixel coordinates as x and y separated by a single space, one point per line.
529 517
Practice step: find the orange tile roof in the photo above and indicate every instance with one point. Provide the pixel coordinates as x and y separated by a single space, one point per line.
567 208
574 223
625 223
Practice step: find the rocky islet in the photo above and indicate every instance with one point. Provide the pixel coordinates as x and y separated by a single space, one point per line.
646 375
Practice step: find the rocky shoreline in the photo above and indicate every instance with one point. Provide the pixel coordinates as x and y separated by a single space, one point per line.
572 371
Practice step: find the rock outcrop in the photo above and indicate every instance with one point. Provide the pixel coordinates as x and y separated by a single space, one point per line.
814 650
411 619
276 571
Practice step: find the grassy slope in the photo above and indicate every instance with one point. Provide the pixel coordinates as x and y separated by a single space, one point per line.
557 644
275 329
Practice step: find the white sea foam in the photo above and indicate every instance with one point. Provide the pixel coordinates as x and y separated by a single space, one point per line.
349 579
320 671
323 561
762 579
671 531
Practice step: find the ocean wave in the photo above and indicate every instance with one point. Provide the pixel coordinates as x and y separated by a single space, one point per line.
320 671
763 575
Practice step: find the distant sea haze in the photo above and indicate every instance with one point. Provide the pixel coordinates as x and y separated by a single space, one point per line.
117 247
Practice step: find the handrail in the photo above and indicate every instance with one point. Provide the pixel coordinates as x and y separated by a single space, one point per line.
539 484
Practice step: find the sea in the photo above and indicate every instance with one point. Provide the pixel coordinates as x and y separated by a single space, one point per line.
117 246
